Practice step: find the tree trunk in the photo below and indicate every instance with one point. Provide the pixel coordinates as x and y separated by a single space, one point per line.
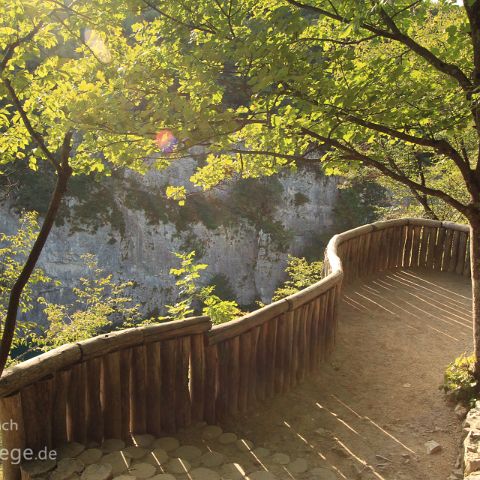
475 268
63 176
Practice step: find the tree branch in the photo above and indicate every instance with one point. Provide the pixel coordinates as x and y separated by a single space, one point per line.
176 20
37 137
447 68
349 153
394 33
10 50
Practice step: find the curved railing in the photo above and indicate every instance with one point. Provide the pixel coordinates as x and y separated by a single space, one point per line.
159 378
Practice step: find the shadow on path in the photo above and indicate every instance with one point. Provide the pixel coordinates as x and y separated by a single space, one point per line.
376 402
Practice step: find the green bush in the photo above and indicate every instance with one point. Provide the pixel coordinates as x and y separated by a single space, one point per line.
459 380
301 274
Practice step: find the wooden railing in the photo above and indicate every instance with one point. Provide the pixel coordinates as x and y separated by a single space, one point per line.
159 378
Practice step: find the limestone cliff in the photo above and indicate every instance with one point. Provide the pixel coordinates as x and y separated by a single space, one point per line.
243 231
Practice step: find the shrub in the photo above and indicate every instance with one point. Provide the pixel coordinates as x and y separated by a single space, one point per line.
190 294
459 380
301 275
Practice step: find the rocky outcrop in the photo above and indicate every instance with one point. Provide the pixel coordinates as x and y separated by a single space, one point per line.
471 444
243 231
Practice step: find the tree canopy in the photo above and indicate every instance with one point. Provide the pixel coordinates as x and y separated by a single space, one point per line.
387 85
71 96
391 86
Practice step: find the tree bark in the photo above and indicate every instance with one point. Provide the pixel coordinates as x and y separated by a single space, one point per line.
63 175
475 271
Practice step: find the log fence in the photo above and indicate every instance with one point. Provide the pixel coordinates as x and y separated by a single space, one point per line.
160 378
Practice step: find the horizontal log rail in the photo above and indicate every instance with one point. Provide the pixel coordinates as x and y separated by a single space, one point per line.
159 378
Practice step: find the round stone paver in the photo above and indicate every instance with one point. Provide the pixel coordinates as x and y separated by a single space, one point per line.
233 471
70 450
163 476
203 473
144 440
124 477
166 443
92 455
320 473
211 432
136 453
188 452
156 457
38 467
281 458
118 461
112 445
97 472
227 438
178 465
244 445
261 452
142 470
212 459
261 475
66 468
299 465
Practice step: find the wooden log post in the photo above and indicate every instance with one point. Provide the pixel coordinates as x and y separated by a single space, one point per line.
262 361
198 377
94 416
138 390
211 372
76 405
60 400
126 365
13 439
37 406
462 250
271 353
183 401
447 250
233 349
245 371
169 363
222 400
112 386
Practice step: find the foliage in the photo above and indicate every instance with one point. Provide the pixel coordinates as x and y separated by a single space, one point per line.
354 85
94 202
13 251
70 98
222 285
459 378
100 303
359 202
219 311
301 274
193 297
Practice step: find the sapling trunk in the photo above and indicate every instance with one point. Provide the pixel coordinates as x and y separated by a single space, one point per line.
63 175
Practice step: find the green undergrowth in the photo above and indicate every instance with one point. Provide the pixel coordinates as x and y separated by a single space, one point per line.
459 381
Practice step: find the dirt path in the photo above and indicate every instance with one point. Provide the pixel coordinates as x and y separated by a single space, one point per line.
376 402
366 416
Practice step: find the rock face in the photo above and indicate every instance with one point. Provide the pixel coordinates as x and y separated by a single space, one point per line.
243 231
471 444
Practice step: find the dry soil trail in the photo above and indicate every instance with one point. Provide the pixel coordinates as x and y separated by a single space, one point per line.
367 415
376 402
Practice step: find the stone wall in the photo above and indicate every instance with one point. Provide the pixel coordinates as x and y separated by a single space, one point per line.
471 444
